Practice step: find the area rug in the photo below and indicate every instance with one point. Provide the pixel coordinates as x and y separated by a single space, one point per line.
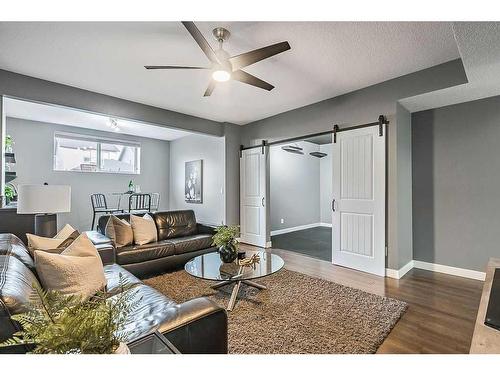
296 314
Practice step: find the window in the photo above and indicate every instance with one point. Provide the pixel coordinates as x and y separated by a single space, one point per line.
75 152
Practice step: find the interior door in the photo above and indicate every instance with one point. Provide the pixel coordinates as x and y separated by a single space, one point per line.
358 222
253 196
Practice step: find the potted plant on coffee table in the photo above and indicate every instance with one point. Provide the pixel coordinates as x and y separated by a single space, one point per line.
225 239
60 324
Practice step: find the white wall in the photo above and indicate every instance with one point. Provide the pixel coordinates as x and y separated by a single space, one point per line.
34 146
212 151
326 192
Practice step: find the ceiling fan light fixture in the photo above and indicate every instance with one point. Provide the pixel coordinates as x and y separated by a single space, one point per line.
221 75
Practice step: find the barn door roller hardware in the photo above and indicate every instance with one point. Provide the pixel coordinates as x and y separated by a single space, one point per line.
263 145
336 129
380 123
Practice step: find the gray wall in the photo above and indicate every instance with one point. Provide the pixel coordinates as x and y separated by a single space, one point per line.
456 184
232 134
211 151
357 107
34 147
294 187
325 185
25 87
399 189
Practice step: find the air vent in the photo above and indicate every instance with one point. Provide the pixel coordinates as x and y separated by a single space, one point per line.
318 154
293 149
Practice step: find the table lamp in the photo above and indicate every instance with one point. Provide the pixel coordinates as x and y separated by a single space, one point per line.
45 201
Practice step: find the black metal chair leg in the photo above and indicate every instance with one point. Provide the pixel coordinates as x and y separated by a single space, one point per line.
93 222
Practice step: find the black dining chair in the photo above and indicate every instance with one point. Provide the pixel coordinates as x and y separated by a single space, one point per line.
155 202
100 206
139 202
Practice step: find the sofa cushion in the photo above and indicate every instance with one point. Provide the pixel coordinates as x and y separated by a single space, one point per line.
112 273
153 308
141 253
191 243
172 224
13 246
16 285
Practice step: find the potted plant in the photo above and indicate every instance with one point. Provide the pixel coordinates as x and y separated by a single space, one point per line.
9 194
60 324
9 143
225 239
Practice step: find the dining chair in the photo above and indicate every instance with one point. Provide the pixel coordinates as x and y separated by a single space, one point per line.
100 206
155 202
139 202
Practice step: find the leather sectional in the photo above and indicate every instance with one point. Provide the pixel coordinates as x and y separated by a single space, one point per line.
180 238
195 326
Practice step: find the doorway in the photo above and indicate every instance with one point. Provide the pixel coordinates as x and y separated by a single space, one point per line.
300 178
298 198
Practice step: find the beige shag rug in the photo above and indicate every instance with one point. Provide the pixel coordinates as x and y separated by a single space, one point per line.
296 314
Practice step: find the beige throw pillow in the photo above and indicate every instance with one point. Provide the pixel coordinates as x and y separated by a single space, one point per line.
78 270
56 244
64 233
119 231
144 229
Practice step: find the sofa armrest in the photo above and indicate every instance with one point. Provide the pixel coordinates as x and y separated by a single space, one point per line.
104 246
198 326
205 229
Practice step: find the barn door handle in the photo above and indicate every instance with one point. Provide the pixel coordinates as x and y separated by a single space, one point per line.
333 205
263 198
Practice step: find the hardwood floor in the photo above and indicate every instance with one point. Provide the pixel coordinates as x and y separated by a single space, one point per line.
442 308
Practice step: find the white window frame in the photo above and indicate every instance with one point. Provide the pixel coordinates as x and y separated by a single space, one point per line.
99 140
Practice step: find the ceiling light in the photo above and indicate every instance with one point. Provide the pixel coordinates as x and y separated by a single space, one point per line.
221 75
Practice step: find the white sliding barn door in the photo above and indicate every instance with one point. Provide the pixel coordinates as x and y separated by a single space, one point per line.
253 198
358 225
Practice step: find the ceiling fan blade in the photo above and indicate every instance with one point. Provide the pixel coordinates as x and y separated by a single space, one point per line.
249 58
173 67
240 75
202 42
210 88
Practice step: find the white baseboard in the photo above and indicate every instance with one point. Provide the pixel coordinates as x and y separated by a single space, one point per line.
294 229
397 274
470 274
329 225
449 270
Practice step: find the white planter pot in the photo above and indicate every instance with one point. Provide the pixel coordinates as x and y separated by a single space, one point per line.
122 349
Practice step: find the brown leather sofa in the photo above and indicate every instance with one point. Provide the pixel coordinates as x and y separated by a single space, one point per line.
180 239
195 326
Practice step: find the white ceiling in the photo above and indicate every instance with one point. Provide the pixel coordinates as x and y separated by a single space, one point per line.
71 117
479 46
326 59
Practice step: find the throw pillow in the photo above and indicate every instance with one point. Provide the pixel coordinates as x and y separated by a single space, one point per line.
119 231
144 229
78 270
56 244
64 233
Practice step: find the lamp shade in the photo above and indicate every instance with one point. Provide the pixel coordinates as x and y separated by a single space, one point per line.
43 199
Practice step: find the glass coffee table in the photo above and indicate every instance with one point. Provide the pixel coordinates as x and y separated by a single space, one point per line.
210 267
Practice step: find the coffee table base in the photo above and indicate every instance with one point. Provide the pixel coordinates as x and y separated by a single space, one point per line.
236 289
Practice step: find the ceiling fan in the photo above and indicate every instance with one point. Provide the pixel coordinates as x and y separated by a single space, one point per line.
225 67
